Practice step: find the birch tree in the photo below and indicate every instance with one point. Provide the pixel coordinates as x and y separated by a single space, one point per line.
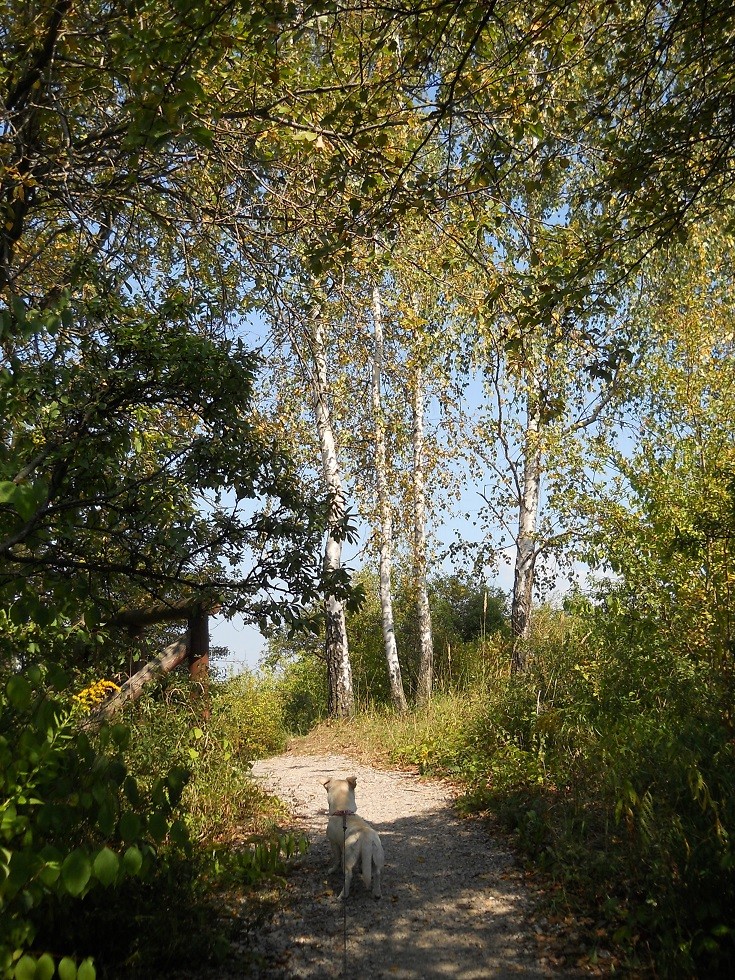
339 671
423 349
420 558
302 382
384 506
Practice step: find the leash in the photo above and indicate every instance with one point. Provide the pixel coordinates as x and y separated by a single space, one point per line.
344 814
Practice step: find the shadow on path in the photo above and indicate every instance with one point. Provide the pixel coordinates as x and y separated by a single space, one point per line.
451 905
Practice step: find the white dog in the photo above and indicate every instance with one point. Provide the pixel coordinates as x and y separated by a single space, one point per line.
351 837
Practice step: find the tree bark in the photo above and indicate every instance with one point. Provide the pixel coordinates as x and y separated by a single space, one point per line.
426 643
339 670
398 695
526 548
528 509
162 612
198 657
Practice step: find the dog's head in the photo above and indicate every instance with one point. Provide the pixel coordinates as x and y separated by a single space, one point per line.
341 794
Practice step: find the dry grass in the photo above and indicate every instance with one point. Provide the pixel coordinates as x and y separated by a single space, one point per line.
388 740
360 738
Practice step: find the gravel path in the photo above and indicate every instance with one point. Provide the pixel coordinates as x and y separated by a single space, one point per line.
452 904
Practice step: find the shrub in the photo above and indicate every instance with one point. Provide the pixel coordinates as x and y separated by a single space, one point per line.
612 760
73 818
247 710
245 723
302 686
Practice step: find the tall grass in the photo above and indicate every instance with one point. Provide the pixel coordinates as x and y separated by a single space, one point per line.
245 723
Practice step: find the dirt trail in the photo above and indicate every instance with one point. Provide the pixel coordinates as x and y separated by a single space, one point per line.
452 905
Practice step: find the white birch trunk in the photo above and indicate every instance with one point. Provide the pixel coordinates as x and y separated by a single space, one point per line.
426 643
526 543
385 516
528 511
339 669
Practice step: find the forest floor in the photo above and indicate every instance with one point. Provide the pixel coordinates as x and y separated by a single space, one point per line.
455 903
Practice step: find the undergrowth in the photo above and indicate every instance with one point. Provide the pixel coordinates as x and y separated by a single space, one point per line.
129 850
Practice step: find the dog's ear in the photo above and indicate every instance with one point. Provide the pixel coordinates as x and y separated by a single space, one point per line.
352 781
326 785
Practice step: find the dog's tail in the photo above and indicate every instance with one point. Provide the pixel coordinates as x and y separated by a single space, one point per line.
372 854
367 859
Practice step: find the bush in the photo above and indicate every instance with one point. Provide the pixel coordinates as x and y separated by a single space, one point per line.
302 686
247 710
612 761
245 723
73 818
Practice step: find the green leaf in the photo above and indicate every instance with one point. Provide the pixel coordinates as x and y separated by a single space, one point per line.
106 819
106 866
76 872
117 771
45 968
132 860
49 873
28 499
130 788
130 826
157 825
201 136
57 678
120 735
176 780
67 969
25 968
19 309
179 834
19 692
86 970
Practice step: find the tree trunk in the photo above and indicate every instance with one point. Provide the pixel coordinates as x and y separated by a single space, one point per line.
198 658
398 695
339 670
526 544
426 643
528 509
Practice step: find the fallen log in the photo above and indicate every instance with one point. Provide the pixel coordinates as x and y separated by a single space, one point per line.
174 654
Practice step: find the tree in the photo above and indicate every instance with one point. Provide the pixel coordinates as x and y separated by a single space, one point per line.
384 508
339 670
124 402
662 524
420 559
304 405
542 326
656 108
